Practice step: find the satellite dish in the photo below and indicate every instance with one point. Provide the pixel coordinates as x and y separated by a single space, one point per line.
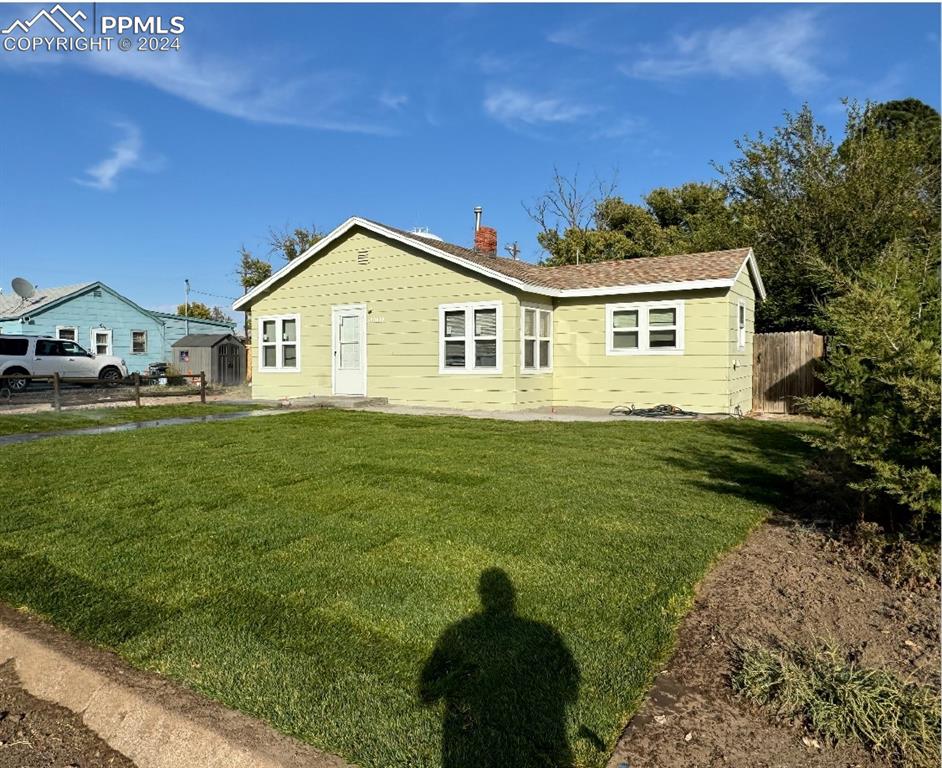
23 288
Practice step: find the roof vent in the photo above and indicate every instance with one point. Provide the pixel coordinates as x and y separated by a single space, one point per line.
363 256
426 235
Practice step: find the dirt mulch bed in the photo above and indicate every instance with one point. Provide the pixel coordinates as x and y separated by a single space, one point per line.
785 583
37 734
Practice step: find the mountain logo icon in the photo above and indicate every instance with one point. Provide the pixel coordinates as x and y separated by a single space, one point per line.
53 17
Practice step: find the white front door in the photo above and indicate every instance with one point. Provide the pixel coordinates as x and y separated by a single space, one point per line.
348 328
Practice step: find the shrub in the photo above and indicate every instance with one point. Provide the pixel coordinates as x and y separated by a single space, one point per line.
882 375
174 376
836 699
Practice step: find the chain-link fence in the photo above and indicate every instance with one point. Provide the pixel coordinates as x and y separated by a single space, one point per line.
17 392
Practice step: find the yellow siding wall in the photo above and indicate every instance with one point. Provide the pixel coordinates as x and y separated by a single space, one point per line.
534 390
740 374
696 380
402 291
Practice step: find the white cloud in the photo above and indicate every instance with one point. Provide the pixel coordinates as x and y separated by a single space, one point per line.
125 154
246 88
617 128
579 35
513 105
239 90
783 44
393 100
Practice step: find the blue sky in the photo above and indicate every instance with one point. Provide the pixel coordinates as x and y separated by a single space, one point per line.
144 169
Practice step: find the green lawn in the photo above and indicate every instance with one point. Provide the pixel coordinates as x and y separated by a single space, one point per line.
303 568
50 421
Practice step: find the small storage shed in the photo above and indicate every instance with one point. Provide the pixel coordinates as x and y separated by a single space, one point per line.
221 356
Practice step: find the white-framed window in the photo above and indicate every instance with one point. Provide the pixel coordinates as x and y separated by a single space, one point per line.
67 332
279 343
537 339
741 325
101 341
470 337
644 328
138 342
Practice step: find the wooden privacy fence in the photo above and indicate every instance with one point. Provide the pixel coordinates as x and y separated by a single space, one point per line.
783 369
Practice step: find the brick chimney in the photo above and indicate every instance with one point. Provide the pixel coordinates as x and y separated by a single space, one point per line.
485 241
485 238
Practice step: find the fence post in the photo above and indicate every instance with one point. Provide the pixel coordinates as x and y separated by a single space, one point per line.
137 389
56 402
203 387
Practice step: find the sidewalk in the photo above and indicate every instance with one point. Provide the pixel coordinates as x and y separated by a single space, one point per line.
151 720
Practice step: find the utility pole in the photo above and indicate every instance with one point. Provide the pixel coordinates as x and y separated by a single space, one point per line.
513 249
186 306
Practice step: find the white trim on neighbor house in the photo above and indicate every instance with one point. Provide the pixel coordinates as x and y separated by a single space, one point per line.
143 351
644 328
94 343
75 333
429 248
279 344
537 338
741 323
470 338
335 311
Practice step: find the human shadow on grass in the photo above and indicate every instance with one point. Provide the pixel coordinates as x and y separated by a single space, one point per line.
505 683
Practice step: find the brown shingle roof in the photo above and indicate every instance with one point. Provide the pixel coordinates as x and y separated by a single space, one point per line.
622 276
711 265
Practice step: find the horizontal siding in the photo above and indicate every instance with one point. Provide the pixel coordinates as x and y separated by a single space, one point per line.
696 380
402 292
740 374
105 311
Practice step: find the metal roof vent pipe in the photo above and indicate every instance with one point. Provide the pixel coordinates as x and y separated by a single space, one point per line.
478 210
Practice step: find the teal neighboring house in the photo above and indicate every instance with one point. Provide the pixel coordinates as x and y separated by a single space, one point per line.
103 321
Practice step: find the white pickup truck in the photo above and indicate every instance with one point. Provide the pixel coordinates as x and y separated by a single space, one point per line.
44 356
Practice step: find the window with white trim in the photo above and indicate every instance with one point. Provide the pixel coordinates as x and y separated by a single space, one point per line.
67 332
537 339
279 337
138 342
741 325
101 341
652 327
469 338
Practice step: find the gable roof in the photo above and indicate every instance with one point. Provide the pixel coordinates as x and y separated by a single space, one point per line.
692 271
12 306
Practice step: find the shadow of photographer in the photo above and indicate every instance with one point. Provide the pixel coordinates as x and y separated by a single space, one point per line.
505 683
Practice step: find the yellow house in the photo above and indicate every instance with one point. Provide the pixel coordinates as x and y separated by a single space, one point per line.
371 310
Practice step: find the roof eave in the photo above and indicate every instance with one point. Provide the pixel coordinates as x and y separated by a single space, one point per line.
752 265
245 301
355 221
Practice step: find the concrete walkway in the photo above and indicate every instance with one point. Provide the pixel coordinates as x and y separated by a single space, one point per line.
369 405
130 426
564 414
151 720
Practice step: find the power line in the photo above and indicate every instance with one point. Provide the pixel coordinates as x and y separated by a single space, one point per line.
214 295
